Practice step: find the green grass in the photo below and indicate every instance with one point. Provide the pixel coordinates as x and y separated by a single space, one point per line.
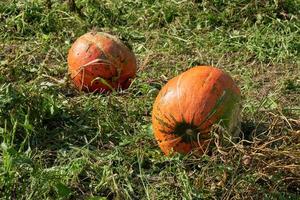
58 143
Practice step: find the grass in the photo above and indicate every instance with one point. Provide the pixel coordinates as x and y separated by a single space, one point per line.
58 143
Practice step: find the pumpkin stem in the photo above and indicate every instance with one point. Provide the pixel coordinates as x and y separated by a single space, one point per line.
186 131
189 132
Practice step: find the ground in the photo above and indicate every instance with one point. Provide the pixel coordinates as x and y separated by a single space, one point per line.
59 143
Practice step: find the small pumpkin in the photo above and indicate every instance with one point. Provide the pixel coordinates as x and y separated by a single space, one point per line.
189 105
100 62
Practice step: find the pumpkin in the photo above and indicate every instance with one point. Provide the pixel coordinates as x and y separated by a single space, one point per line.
100 62
188 106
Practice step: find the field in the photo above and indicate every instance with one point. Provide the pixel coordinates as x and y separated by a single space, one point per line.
59 143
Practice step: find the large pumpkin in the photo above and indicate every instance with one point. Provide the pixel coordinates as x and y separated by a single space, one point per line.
100 62
189 104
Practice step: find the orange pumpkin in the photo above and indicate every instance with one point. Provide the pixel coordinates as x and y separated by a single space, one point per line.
100 62
189 104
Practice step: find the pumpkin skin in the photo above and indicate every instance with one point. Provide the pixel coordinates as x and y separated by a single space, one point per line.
189 104
99 62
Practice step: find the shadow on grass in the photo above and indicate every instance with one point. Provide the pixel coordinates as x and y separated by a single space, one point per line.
44 121
250 130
